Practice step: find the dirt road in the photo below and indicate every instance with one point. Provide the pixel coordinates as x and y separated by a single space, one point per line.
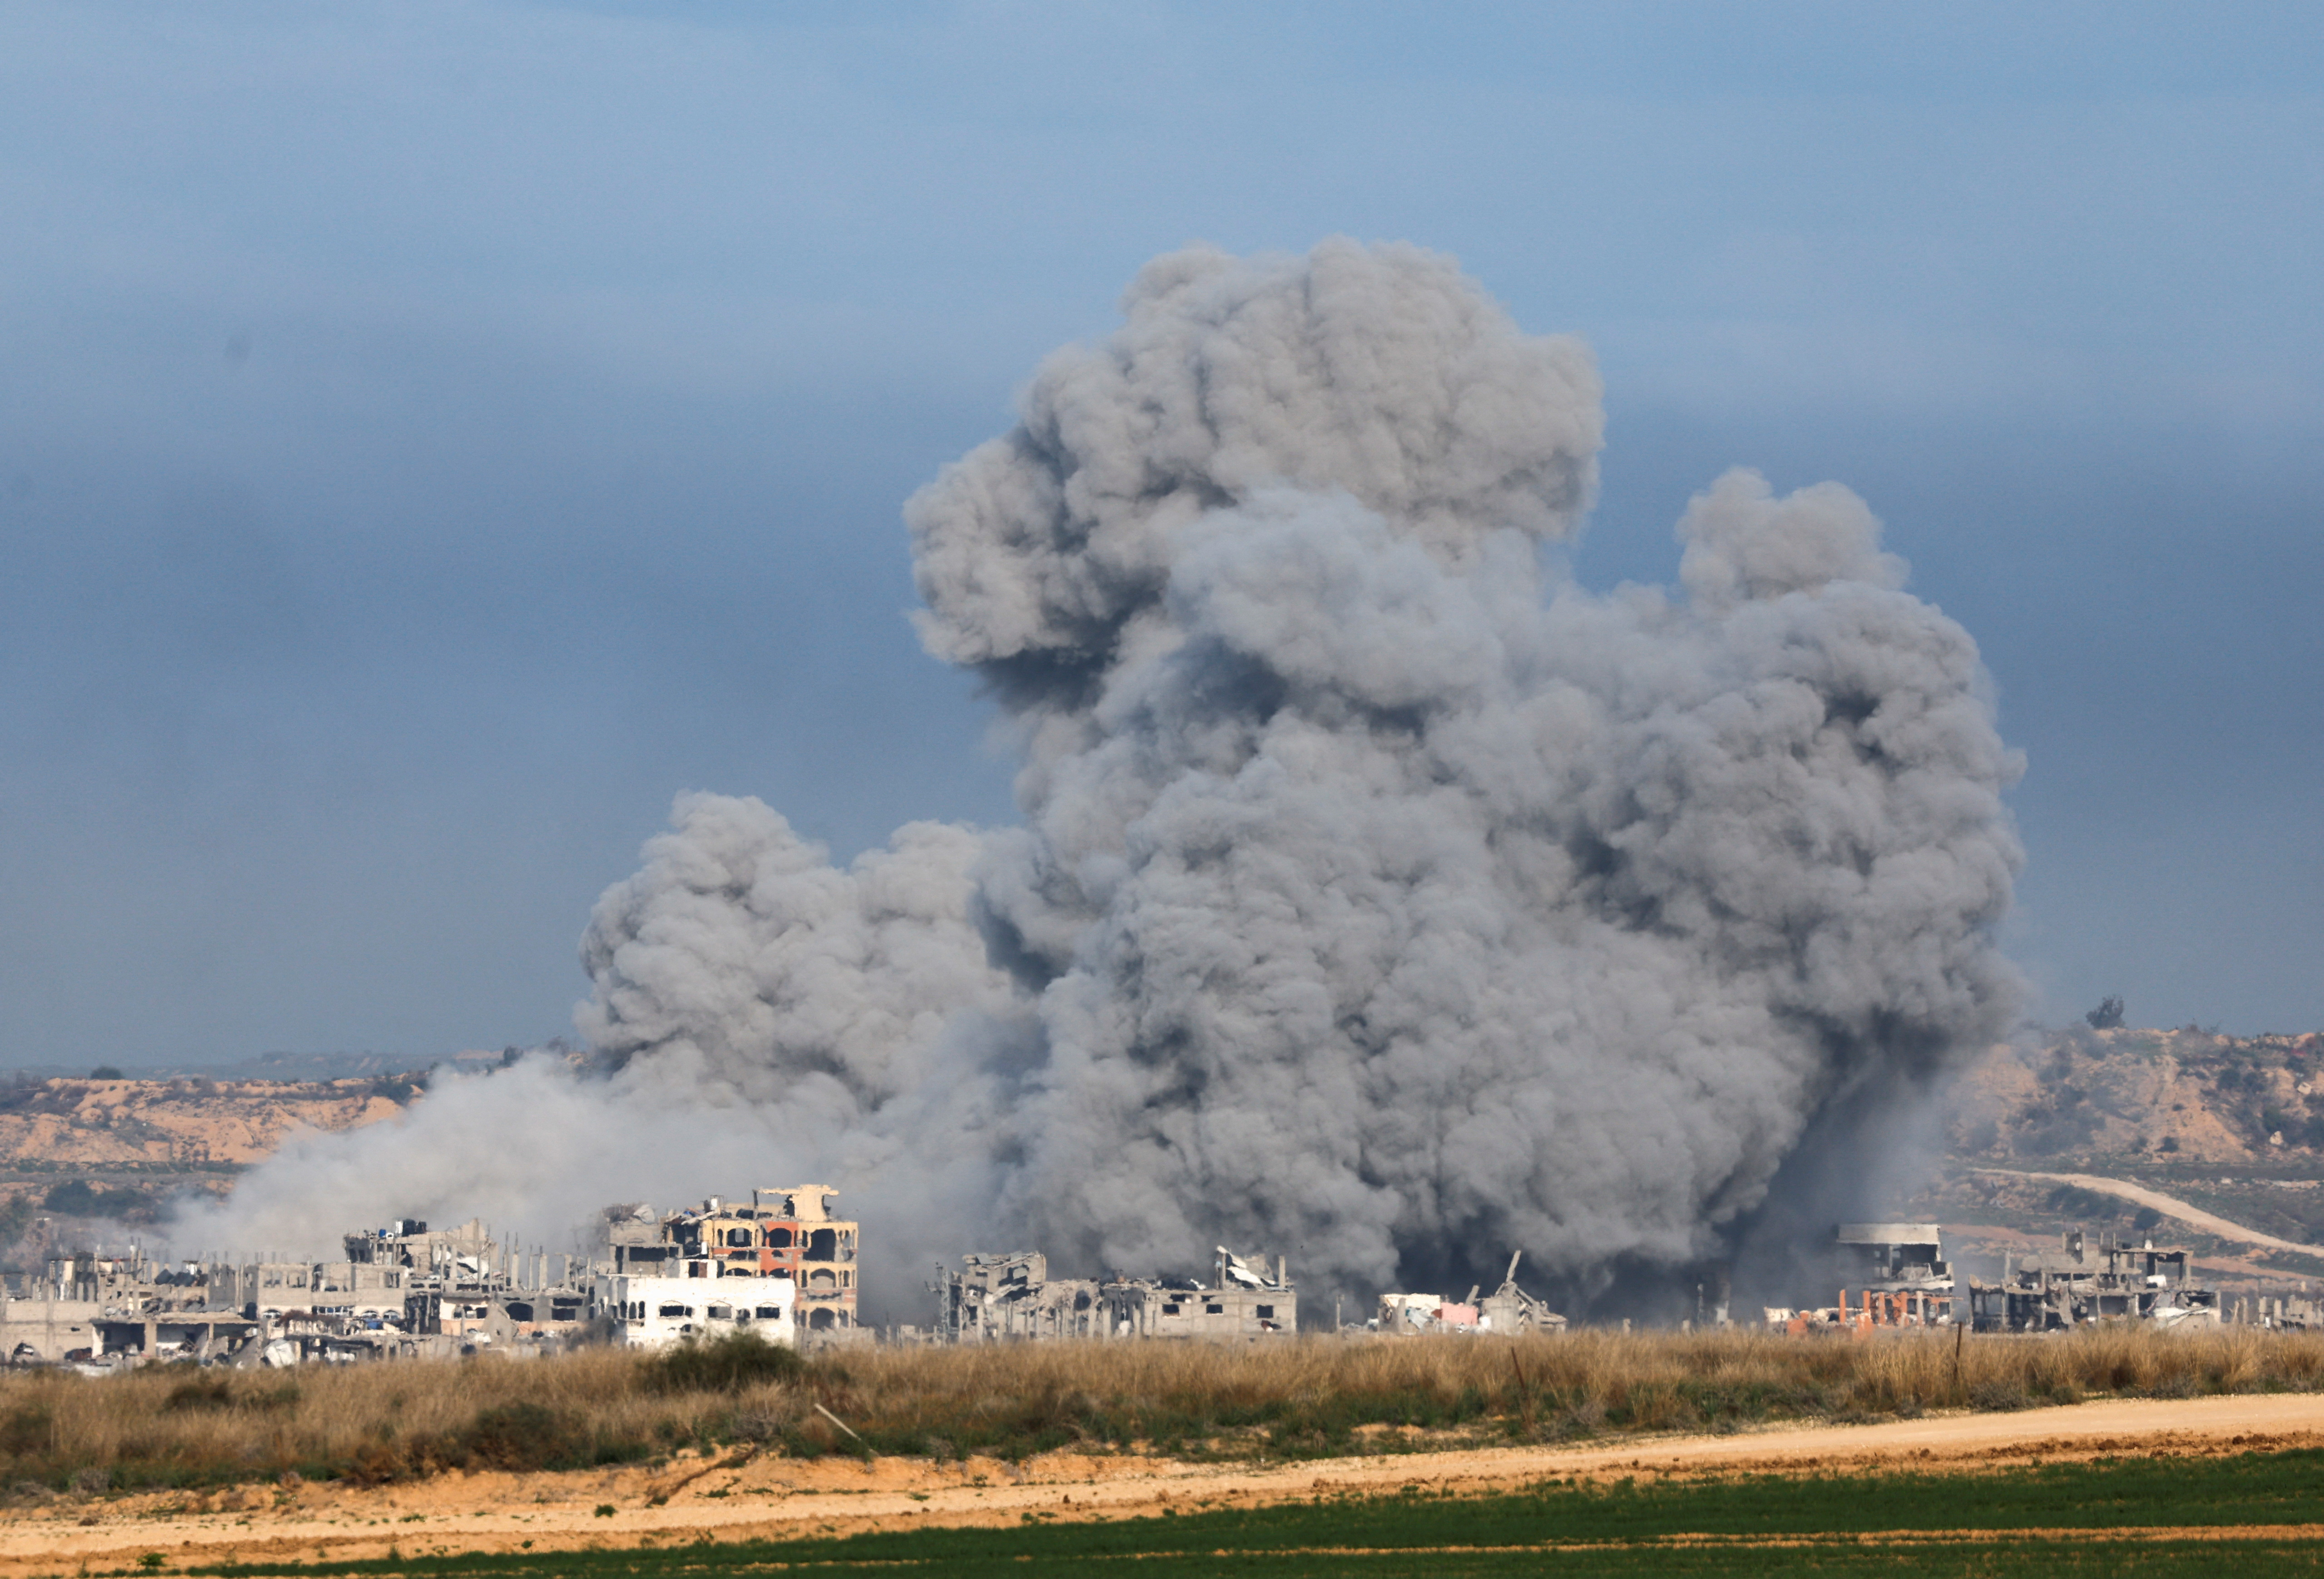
2168 1206
734 1498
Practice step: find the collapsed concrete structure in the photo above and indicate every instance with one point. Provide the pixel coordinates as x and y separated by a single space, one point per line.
461 1287
1898 1258
1509 1309
1006 1296
1900 1279
999 1298
2084 1283
2291 1313
1891 1275
84 1305
779 1267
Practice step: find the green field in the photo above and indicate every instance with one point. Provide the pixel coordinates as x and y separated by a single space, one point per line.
2005 1522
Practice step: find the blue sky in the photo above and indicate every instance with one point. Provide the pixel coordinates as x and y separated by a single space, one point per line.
431 436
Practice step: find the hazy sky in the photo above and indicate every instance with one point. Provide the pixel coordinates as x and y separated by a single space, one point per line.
431 436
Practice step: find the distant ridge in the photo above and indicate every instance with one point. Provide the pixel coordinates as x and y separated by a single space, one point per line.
302 1067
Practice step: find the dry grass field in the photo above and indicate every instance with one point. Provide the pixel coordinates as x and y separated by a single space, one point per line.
1315 1396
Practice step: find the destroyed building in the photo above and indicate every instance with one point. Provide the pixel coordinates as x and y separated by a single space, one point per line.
462 1284
2084 1283
84 1305
998 1297
1240 1301
402 1292
1903 1263
2291 1313
787 1234
780 1266
994 1297
1509 1309
1890 1275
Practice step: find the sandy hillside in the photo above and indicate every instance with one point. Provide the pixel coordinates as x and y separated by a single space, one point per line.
2186 1095
78 1155
91 1124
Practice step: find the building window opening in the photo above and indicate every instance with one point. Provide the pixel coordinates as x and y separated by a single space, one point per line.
771 1313
823 1245
674 1312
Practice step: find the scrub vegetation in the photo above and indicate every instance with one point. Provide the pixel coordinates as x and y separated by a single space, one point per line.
185 1427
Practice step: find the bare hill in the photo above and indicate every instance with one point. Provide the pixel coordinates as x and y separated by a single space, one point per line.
2232 1126
75 1154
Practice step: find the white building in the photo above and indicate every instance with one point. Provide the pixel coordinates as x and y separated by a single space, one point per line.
655 1312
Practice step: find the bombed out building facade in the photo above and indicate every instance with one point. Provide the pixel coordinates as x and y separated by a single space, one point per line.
783 1267
995 1299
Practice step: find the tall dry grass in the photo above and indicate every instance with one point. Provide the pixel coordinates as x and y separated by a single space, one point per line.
183 1427
1321 1395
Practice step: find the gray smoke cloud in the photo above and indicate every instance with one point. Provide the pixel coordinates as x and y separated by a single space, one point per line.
1382 896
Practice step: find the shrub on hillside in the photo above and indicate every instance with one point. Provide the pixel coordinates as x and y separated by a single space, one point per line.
727 1364
76 1198
526 1436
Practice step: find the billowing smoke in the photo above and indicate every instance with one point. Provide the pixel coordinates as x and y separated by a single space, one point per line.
1382 896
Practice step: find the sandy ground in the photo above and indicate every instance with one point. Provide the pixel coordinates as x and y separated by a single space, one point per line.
737 1496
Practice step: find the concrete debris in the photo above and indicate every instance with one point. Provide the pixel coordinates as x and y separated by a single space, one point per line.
1900 1275
782 1268
1509 1309
1902 1280
1897 1258
999 1298
2112 1279
2285 1312
994 1297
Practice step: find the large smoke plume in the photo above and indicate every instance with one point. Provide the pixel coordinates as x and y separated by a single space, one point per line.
1382 896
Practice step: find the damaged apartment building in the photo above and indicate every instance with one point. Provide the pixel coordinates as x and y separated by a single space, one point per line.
399 1292
2085 1282
994 1298
787 1234
1889 1274
783 1267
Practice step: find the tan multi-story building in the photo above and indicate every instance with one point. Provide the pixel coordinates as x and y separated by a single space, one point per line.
788 1232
